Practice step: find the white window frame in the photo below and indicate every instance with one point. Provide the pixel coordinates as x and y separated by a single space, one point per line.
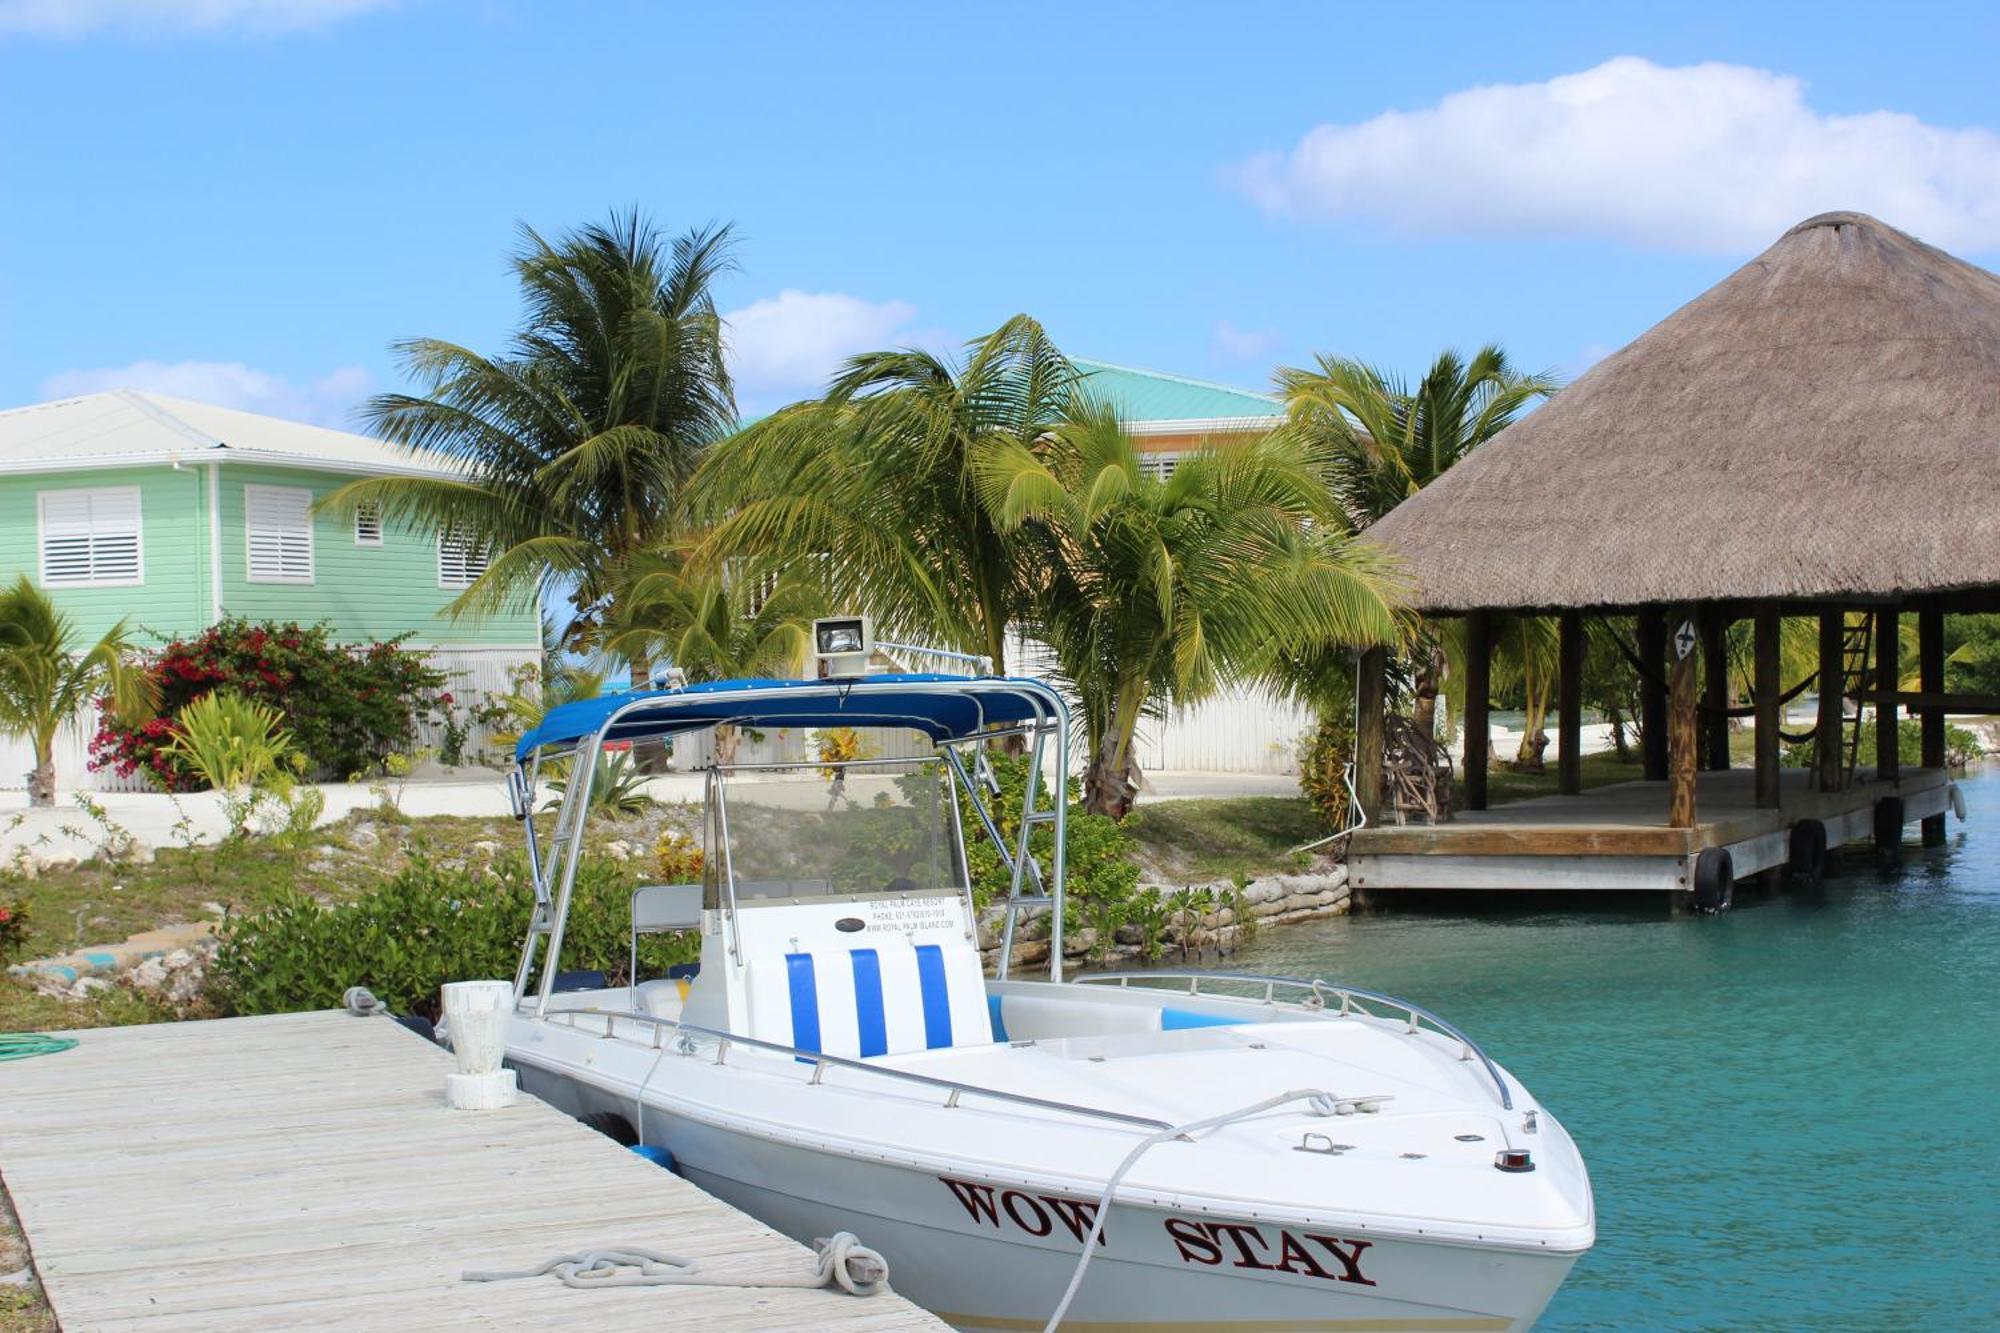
91 580
371 512
250 575
467 575
1159 464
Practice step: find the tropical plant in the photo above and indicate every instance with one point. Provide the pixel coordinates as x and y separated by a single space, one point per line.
617 787
345 706
1158 591
241 750
872 487
231 742
575 444
1377 442
677 858
714 623
48 675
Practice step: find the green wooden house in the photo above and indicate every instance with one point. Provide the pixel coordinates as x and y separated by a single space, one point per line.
172 514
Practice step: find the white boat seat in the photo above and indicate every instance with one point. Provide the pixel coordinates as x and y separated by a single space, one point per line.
657 908
886 998
1035 1017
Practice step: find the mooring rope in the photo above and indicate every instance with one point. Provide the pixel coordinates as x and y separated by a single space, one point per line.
840 1260
22 1045
1320 1101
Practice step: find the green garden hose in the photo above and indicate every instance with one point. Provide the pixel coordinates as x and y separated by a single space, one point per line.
21 1045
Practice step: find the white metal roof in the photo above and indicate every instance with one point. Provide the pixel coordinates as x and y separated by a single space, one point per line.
125 428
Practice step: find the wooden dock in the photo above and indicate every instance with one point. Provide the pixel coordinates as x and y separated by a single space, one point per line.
1617 837
302 1172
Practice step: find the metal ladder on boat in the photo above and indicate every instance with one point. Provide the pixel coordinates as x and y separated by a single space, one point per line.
1027 884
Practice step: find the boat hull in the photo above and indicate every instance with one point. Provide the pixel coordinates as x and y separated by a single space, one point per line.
988 1253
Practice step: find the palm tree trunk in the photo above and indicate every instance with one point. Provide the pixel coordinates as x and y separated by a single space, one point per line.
1429 676
727 739
42 780
1110 783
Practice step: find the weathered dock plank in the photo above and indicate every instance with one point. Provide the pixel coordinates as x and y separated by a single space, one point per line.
301 1171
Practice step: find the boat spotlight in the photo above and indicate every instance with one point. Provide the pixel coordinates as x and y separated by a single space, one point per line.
843 645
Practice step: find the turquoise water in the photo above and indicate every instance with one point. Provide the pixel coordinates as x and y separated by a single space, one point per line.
1791 1113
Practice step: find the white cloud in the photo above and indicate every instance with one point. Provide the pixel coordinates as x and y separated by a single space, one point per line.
785 347
326 401
1229 343
74 18
1709 157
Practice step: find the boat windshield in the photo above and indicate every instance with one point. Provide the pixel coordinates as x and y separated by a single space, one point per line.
841 831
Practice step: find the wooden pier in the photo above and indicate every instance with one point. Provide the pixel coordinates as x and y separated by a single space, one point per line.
1621 836
301 1171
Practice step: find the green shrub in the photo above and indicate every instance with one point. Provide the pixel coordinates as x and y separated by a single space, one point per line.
230 742
424 927
1100 872
1324 754
13 929
346 706
1961 745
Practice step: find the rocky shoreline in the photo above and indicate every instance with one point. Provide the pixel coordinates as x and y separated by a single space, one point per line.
1272 900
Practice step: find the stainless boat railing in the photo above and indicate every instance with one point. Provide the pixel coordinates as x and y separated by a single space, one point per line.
821 1062
1353 999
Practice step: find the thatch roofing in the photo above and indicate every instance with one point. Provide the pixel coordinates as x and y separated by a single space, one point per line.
1823 422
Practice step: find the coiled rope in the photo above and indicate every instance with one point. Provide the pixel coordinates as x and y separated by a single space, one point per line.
840 1260
22 1045
1321 1102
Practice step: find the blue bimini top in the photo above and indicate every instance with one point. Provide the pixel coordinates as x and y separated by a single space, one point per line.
942 707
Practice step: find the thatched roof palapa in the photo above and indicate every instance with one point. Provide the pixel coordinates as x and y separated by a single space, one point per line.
1823 423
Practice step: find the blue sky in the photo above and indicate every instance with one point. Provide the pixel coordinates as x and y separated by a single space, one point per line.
247 200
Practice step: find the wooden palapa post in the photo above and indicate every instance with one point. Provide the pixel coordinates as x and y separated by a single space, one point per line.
1370 693
1715 690
1569 703
1478 693
1888 678
1826 737
1770 712
1930 680
1650 632
1681 722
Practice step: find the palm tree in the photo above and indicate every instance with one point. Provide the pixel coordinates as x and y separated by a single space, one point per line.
48 676
714 623
873 484
1377 443
575 445
1162 591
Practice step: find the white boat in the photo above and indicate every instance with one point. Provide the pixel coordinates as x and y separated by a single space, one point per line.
1278 1154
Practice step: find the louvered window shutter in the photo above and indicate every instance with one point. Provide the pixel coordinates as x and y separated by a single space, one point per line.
278 530
460 560
368 525
91 536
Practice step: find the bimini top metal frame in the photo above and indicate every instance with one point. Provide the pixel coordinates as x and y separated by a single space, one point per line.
957 713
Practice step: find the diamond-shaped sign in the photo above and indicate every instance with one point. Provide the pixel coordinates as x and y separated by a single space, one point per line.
1684 640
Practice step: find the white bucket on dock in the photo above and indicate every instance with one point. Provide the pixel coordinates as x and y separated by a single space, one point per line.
475 1014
